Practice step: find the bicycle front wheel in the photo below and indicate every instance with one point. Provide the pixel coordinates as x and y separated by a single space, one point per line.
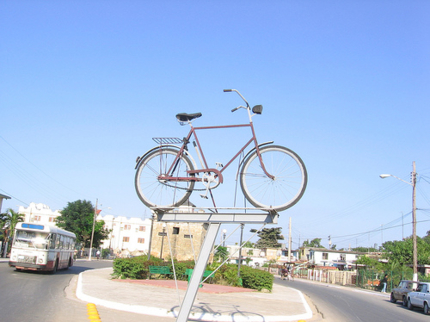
152 190
288 185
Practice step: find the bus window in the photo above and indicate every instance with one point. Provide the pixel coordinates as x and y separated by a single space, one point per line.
30 239
52 241
67 243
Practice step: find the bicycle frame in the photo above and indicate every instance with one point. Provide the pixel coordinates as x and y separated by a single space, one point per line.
205 166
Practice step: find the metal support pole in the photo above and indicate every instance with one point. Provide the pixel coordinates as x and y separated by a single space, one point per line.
198 271
240 249
150 235
162 241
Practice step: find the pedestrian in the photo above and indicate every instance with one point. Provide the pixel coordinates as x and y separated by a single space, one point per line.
98 254
384 284
284 272
290 274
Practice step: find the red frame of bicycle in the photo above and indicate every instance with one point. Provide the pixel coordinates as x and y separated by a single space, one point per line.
207 169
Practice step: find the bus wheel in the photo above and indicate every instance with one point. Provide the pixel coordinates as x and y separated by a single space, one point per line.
70 264
55 267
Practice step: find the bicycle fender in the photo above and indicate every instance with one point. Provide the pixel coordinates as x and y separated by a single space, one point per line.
253 149
139 159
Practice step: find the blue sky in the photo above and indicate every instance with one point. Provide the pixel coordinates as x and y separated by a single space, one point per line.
85 85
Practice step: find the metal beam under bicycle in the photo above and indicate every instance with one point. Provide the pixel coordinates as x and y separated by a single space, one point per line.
223 217
198 271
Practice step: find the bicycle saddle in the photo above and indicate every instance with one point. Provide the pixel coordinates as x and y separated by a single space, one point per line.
185 117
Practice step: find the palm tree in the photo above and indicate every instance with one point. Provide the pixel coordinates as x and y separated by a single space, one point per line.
2 226
9 220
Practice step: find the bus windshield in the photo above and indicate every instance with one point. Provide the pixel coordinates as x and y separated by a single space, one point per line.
31 239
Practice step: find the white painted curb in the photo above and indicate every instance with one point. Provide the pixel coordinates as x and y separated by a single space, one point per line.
205 316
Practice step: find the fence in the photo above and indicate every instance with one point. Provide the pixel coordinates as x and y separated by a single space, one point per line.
370 279
367 279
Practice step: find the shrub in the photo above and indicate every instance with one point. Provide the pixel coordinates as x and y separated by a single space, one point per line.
138 268
135 267
180 268
256 279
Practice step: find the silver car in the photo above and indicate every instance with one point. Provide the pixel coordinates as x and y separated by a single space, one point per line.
420 298
400 293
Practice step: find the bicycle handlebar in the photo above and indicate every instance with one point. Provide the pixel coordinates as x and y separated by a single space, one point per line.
235 90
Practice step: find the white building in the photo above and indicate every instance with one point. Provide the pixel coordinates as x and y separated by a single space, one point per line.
39 213
329 257
127 235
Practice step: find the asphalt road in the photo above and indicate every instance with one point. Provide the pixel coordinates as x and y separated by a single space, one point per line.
41 297
38 297
337 303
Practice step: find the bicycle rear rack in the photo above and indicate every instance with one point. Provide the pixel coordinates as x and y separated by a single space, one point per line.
161 141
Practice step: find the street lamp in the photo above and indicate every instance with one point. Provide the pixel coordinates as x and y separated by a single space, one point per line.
224 232
414 216
162 239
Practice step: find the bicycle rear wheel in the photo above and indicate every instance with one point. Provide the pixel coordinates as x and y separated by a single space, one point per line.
155 192
280 193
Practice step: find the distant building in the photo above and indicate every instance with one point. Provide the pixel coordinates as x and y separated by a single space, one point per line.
127 236
329 257
39 213
182 241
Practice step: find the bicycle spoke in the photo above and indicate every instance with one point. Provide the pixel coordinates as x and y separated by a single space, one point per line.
288 184
156 192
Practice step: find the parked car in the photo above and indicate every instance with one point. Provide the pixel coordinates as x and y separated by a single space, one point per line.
400 293
420 298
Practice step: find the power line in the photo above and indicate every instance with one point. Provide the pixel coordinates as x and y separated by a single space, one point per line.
15 197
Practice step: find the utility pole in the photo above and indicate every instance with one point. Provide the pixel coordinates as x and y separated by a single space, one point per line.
413 183
414 221
289 241
92 233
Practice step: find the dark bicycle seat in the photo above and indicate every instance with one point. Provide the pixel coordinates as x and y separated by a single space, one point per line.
185 117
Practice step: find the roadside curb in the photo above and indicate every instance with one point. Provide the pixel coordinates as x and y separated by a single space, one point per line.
195 315
119 306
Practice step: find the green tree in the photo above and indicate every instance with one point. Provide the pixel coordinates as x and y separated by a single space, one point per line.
221 254
269 238
365 249
78 218
426 238
316 242
370 263
248 244
401 252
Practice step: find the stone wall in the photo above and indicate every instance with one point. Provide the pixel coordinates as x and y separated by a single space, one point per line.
185 240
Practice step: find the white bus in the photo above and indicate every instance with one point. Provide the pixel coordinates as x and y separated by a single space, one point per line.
41 248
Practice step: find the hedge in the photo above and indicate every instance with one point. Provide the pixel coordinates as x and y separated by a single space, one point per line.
138 268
